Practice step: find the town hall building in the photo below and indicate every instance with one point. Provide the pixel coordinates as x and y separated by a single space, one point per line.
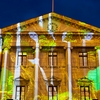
50 57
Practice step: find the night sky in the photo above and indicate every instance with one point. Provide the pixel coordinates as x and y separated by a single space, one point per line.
14 11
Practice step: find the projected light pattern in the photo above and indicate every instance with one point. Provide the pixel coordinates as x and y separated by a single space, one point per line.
50 31
43 41
51 64
61 96
83 42
7 40
69 71
41 21
43 73
44 33
69 64
0 44
64 36
33 61
18 60
94 75
7 85
34 36
68 36
0 49
98 56
88 36
4 73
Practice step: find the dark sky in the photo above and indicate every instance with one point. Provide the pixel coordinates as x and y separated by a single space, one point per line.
14 11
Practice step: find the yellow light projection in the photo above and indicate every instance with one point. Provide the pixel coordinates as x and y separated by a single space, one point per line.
4 78
44 37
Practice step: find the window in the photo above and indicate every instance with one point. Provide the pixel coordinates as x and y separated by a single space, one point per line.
52 59
52 93
84 93
23 57
20 92
83 59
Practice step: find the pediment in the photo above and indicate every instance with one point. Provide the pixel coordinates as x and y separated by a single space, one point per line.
52 22
19 79
84 81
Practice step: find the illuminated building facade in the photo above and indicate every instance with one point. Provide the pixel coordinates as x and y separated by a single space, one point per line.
51 57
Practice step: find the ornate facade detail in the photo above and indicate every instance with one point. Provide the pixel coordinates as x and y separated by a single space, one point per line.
54 49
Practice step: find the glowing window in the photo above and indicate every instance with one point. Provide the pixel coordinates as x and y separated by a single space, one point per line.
83 59
23 57
52 57
20 92
85 93
52 93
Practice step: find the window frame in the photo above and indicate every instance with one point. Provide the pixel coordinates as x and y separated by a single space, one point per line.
82 57
20 91
52 92
52 58
22 55
84 92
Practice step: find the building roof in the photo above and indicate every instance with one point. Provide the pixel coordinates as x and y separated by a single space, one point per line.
56 20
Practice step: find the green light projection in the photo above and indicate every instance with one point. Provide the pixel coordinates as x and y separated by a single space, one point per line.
94 75
61 96
7 40
8 84
69 37
43 41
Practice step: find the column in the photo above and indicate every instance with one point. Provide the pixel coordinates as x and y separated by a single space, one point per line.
0 52
36 71
17 68
0 59
4 72
68 63
34 36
